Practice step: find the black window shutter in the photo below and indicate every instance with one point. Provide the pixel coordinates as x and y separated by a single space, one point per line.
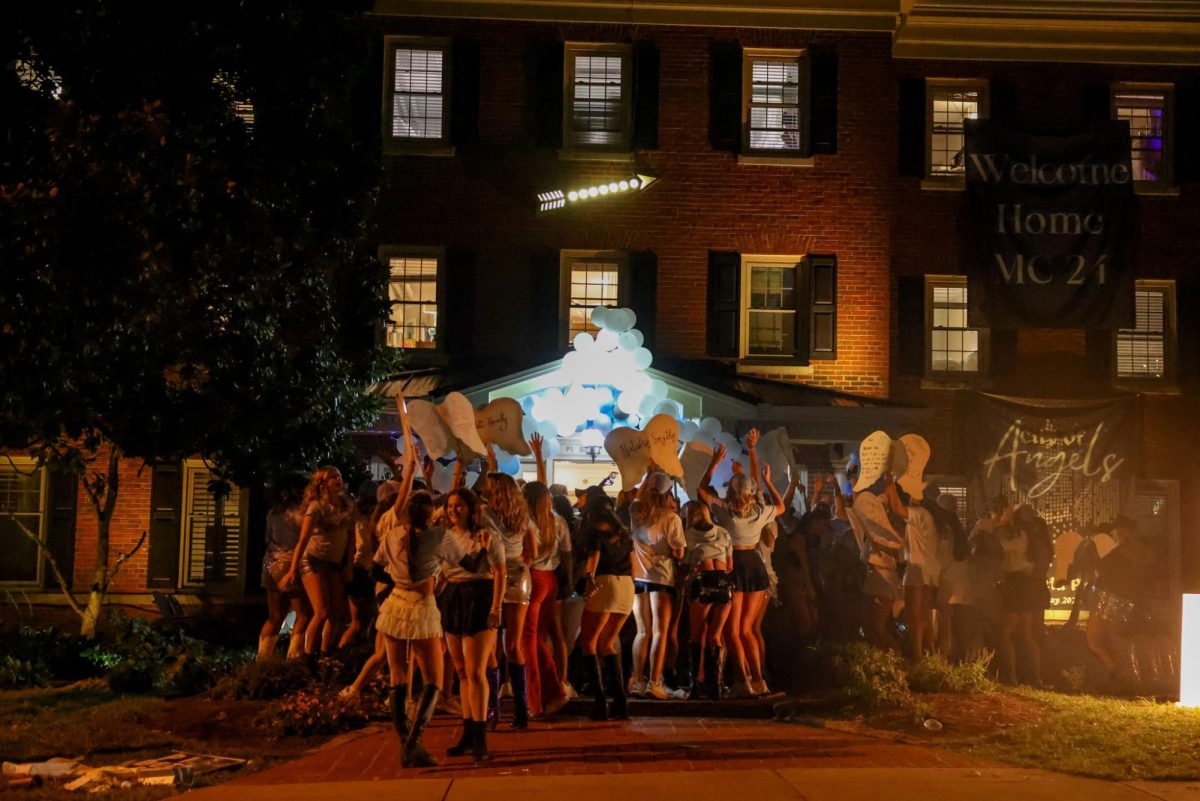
1096 103
1187 296
822 307
464 93
724 313
1187 134
457 319
645 96
61 505
911 136
643 291
1003 351
166 511
823 103
910 307
802 302
725 96
543 314
545 81
1098 345
1002 101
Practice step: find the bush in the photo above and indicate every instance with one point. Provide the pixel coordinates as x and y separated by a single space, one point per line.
934 674
868 678
203 666
17 673
49 653
264 680
321 710
134 653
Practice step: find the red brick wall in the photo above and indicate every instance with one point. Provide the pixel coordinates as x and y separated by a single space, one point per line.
130 518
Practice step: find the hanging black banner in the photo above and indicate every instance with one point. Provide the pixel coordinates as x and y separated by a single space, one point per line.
1051 215
1037 443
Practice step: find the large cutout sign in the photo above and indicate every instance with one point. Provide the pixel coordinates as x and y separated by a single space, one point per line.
460 416
874 454
695 460
448 428
632 450
499 424
775 449
917 451
662 431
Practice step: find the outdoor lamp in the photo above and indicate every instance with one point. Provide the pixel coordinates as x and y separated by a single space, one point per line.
592 442
1189 653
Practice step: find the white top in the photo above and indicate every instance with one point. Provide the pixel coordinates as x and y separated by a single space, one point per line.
921 541
393 553
365 544
283 531
1016 553
712 544
513 542
330 530
456 545
562 544
745 531
873 535
653 546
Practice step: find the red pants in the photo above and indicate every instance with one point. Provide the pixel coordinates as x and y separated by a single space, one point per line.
543 683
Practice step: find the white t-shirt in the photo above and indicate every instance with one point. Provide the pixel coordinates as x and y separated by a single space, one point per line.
457 544
393 552
653 546
562 544
745 531
921 541
712 544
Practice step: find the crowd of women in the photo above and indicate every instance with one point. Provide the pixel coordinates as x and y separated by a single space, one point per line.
513 579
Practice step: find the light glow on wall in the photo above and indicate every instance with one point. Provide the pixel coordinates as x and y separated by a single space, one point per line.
560 198
1189 663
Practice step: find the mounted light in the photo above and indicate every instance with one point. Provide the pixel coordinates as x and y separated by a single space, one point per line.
558 198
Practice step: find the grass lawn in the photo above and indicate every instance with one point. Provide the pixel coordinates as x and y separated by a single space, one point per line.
1099 737
98 727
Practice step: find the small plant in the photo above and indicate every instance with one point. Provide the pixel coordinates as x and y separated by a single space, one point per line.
203 666
19 673
264 680
868 678
134 654
935 674
320 710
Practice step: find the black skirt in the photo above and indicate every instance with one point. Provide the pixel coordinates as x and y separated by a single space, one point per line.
465 607
749 572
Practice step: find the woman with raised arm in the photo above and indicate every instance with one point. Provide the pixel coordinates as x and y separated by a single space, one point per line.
409 619
472 561
745 516
658 543
320 554
710 558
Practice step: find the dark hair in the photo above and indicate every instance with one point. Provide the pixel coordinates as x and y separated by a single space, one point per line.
364 499
417 513
287 489
605 518
562 505
472 502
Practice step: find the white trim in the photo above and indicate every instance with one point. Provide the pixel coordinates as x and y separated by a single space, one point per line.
753 260
20 464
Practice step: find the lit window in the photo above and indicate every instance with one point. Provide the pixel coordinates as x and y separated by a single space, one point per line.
948 105
1147 109
598 112
771 310
22 504
1143 351
776 94
212 529
590 279
417 90
955 349
412 295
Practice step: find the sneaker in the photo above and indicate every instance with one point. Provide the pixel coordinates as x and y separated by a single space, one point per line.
678 694
740 690
637 689
655 689
569 691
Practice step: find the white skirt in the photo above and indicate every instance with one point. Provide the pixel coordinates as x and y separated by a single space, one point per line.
407 615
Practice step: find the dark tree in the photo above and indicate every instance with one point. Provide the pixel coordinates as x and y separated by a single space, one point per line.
183 256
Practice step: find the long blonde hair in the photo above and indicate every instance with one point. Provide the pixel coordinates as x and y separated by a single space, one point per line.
741 504
507 502
320 489
541 509
651 507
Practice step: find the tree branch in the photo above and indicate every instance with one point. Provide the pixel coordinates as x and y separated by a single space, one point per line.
116 568
63 584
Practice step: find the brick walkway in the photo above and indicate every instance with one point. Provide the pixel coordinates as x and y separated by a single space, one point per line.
578 746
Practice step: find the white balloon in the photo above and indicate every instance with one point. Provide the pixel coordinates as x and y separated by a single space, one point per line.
528 426
602 421
619 321
646 405
688 431
628 402
667 407
658 389
632 316
551 448
598 315
547 429
512 466
583 342
607 339
642 358
631 340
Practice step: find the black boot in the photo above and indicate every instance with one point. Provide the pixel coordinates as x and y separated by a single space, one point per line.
414 754
479 745
600 704
719 684
710 674
616 686
695 654
396 698
493 704
516 675
465 739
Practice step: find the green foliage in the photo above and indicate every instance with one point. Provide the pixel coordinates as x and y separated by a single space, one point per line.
16 673
868 678
935 674
205 666
49 654
320 710
264 680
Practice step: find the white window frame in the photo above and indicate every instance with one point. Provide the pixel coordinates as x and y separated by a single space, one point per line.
1170 341
234 583
624 146
932 86
1166 184
766 260
803 101
567 261
413 146
26 465
982 352
389 252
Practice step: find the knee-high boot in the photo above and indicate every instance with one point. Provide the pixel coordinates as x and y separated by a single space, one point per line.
616 686
414 754
595 678
493 704
516 675
694 656
396 699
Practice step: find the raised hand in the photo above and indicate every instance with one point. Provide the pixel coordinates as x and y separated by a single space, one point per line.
766 473
752 438
719 454
535 444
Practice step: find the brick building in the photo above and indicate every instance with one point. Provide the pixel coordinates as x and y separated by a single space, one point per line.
797 259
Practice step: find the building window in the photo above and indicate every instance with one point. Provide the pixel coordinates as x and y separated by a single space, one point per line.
1147 108
417 85
598 114
591 279
770 309
955 349
1144 352
22 504
413 299
957 487
212 530
948 103
775 88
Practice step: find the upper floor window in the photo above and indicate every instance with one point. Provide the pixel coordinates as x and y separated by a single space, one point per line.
954 349
775 96
22 504
417 92
413 297
1145 351
948 103
1148 109
598 114
590 279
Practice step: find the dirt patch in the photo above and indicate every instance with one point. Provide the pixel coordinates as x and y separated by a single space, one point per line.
965 715
233 727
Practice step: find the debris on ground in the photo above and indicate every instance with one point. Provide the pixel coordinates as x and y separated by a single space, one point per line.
178 770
